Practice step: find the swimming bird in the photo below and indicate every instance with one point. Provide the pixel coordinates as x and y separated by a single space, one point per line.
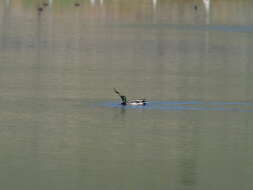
134 102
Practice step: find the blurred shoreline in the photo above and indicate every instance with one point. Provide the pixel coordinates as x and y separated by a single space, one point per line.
217 12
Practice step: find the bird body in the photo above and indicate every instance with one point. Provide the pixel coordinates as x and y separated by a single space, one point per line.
137 102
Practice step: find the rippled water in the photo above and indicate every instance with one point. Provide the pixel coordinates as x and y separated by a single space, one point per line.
63 127
184 106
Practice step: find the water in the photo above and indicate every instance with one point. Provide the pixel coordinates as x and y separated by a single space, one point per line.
193 105
62 126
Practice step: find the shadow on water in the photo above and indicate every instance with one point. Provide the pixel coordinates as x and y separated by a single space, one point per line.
188 106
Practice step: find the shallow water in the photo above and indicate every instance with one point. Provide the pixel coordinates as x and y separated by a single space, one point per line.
62 126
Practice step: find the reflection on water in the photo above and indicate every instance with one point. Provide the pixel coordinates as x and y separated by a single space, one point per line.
62 127
194 27
187 106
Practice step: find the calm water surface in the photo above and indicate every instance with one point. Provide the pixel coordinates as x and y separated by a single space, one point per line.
61 125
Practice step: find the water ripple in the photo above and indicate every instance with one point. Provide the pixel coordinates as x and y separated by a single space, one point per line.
224 28
188 106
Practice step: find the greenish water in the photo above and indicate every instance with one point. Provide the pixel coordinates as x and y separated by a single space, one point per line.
61 125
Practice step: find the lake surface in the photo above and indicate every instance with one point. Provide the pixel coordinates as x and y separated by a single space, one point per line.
62 127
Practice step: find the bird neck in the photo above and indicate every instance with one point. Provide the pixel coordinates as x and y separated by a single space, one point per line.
124 100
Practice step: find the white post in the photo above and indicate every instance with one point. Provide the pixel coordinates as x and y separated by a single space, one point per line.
154 3
92 2
7 2
207 5
50 2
